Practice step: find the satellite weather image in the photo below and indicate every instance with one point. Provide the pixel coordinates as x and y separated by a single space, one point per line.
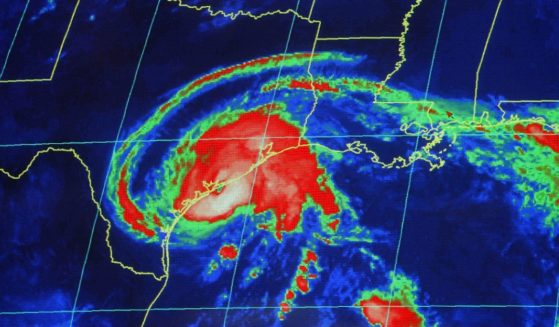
387 163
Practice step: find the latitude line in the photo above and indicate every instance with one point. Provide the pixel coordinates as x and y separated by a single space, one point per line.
165 140
237 308
245 217
406 199
127 103
308 307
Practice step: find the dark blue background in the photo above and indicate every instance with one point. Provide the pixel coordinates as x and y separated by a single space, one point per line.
461 247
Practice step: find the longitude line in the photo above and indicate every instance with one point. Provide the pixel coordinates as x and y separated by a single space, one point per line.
245 217
113 152
14 39
556 309
406 199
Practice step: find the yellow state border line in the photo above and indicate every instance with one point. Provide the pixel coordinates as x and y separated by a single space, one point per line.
58 55
429 104
478 70
165 258
97 204
350 38
536 101
401 55
401 46
397 66
528 101
242 13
